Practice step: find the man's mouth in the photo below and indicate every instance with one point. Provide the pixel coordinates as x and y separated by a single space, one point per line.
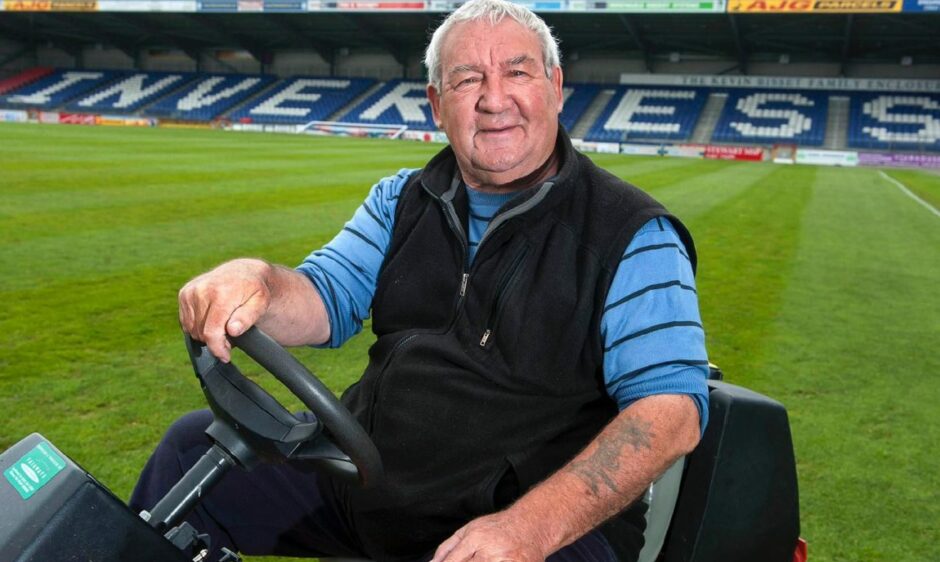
496 130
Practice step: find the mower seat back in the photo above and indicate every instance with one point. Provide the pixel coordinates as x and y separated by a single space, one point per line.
738 499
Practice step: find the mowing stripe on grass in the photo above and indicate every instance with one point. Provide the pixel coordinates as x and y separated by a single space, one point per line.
910 193
746 247
852 356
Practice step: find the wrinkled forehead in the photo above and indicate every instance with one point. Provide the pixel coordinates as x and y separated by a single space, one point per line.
480 42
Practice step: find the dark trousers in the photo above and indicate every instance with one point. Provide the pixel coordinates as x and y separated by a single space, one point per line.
275 509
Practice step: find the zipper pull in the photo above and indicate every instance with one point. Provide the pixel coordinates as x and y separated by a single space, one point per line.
486 337
463 284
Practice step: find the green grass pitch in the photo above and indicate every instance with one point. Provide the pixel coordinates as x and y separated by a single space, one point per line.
818 286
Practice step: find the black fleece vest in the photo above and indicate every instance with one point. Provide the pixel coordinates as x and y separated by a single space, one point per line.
490 373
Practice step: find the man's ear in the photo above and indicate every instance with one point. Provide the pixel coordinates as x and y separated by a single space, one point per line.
435 98
557 80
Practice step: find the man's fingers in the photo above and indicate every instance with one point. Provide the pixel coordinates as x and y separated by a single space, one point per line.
447 547
225 301
214 334
247 314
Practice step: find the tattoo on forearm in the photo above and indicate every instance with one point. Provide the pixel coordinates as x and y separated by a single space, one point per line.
597 470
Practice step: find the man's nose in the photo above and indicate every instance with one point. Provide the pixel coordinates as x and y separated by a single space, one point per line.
494 97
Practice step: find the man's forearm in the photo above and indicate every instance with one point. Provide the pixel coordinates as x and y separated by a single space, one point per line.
296 315
613 470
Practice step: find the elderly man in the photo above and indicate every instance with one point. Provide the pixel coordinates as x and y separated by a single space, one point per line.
539 356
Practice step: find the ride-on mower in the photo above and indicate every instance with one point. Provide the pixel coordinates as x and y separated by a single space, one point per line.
732 499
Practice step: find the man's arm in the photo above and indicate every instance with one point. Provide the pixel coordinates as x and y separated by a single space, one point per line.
612 471
245 292
323 300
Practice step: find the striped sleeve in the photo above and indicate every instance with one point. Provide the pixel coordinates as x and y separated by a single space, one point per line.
345 271
654 342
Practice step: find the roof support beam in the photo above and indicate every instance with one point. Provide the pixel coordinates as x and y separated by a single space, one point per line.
846 44
738 44
641 44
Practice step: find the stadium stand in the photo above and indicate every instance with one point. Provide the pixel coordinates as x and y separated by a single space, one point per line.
131 92
895 121
751 116
397 102
208 96
577 99
649 114
301 100
58 88
24 78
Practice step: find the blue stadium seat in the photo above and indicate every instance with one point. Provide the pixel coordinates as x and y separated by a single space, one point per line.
752 116
58 88
209 96
577 99
397 102
131 92
302 99
649 113
894 121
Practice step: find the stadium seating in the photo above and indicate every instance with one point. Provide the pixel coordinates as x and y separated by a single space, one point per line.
24 78
208 96
397 102
131 92
894 121
773 117
58 88
648 114
577 99
301 100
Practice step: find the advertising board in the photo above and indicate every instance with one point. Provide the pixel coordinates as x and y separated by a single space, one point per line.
50 5
13 116
814 6
78 119
899 160
641 149
686 150
649 6
905 85
826 157
750 153
922 5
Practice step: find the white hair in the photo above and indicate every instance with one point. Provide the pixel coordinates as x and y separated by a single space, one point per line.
493 11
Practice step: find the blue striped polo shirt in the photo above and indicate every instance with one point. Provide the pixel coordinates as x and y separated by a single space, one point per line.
654 342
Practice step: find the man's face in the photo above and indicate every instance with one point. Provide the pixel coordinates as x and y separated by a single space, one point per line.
499 110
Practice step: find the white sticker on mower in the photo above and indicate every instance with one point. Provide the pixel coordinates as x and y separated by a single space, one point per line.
36 469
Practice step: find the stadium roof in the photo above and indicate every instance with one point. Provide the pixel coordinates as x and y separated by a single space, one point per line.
745 38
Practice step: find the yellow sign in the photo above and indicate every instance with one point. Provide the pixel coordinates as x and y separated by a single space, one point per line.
815 6
50 5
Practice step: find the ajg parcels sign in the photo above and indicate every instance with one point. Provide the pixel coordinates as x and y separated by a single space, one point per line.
816 6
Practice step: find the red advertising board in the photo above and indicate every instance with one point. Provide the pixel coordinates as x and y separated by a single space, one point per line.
78 119
753 153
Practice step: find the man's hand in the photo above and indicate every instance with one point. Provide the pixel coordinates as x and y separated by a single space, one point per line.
225 302
242 293
499 537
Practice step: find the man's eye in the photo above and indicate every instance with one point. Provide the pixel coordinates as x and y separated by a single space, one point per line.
518 73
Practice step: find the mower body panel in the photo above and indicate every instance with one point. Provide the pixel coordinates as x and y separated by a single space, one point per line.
52 510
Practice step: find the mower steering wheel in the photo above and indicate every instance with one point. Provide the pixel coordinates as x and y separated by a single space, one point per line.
251 418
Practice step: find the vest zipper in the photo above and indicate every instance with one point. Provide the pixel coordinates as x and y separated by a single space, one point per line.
454 222
502 289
